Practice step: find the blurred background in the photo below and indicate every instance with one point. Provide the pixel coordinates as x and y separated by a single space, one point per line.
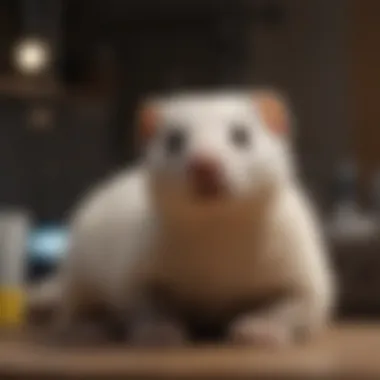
73 71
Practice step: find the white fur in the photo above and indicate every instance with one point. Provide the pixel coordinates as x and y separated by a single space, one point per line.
144 223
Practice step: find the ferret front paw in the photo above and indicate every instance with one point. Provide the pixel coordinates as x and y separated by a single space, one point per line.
157 333
260 331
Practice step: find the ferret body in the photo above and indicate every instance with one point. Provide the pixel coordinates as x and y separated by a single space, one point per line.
209 242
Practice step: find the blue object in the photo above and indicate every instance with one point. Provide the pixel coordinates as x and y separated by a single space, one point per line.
47 243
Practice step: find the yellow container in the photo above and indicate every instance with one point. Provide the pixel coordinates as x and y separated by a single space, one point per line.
14 227
12 307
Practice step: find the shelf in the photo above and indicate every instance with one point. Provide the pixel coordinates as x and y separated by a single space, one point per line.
23 88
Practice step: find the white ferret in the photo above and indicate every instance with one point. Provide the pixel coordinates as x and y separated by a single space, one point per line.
212 220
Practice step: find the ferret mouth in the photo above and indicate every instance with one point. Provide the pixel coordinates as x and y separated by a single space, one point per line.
208 191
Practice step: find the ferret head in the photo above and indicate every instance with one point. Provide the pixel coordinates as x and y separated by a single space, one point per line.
214 150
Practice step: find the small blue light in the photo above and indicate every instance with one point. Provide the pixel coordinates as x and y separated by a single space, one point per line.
48 242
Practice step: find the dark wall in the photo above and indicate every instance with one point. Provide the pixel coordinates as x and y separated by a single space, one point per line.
158 48
45 168
307 58
48 167
297 47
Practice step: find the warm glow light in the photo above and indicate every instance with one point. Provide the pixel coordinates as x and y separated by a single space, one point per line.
31 56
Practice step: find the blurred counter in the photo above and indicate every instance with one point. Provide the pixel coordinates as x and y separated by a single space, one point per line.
345 350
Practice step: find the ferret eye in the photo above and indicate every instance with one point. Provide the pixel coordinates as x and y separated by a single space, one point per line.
175 141
240 136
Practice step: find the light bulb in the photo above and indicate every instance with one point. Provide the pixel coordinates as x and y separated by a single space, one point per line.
31 56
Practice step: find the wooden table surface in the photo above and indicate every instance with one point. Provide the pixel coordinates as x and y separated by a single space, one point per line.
345 350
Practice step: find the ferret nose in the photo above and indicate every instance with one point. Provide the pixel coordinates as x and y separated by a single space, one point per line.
203 169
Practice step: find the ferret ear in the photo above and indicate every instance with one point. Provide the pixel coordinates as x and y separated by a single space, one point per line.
147 122
274 110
